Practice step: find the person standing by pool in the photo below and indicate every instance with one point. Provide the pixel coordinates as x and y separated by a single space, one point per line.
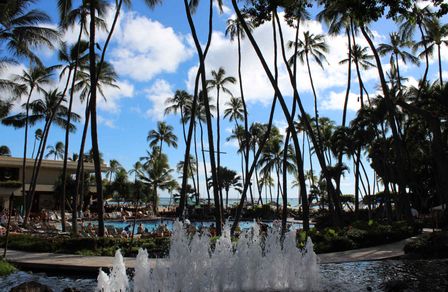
140 229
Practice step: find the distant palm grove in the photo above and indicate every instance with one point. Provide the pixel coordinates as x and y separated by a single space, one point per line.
399 133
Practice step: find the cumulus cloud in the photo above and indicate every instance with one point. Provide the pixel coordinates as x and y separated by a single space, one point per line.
336 100
157 94
114 95
107 122
145 48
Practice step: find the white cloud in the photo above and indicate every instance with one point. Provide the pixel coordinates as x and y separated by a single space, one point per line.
107 122
145 48
158 94
114 95
336 100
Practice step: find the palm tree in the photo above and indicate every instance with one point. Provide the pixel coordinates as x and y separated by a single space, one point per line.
229 179
37 137
72 58
32 80
106 77
5 151
157 175
189 7
201 117
219 81
395 48
234 29
417 18
50 109
234 110
179 102
436 37
163 134
57 150
311 46
21 29
114 168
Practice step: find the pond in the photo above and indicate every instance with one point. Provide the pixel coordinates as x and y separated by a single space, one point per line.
404 275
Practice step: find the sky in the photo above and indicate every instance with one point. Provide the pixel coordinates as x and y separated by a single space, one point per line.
154 55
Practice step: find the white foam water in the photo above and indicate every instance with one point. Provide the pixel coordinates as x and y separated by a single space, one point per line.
254 263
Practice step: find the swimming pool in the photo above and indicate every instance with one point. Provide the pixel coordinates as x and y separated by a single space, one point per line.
152 225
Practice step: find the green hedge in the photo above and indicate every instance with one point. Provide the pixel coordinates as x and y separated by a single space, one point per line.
432 245
6 268
358 235
156 247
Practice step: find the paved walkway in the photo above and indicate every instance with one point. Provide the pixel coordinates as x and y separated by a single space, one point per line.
91 264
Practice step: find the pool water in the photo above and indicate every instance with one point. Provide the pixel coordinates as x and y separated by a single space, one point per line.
152 225
389 275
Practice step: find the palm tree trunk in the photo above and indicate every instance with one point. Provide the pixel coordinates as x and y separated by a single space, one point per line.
426 61
246 121
330 188
358 158
94 126
25 145
80 167
218 217
36 168
278 94
197 169
440 65
203 160
397 141
67 135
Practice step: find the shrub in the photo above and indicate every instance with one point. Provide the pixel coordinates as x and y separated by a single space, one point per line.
433 245
6 268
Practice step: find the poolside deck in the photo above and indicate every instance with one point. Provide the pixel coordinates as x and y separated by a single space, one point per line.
65 263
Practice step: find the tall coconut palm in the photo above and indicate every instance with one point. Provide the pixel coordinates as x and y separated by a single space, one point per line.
157 175
57 150
178 103
219 82
21 29
51 110
313 46
114 168
417 17
436 37
71 57
235 30
163 134
33 79
107 78
201 118
189 7
395 48
362 59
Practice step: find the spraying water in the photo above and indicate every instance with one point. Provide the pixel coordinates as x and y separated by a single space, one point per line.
255 263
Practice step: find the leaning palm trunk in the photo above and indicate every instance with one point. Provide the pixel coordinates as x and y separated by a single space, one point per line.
246 150
398 145
203 160
94 126
277 92
37 164
67 132
80 168
218 217
25 145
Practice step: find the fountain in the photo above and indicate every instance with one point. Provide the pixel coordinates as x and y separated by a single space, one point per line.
254 264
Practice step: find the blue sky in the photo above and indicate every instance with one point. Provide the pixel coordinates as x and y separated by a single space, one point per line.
153 53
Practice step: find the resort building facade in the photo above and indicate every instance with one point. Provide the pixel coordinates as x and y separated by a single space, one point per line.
45 197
